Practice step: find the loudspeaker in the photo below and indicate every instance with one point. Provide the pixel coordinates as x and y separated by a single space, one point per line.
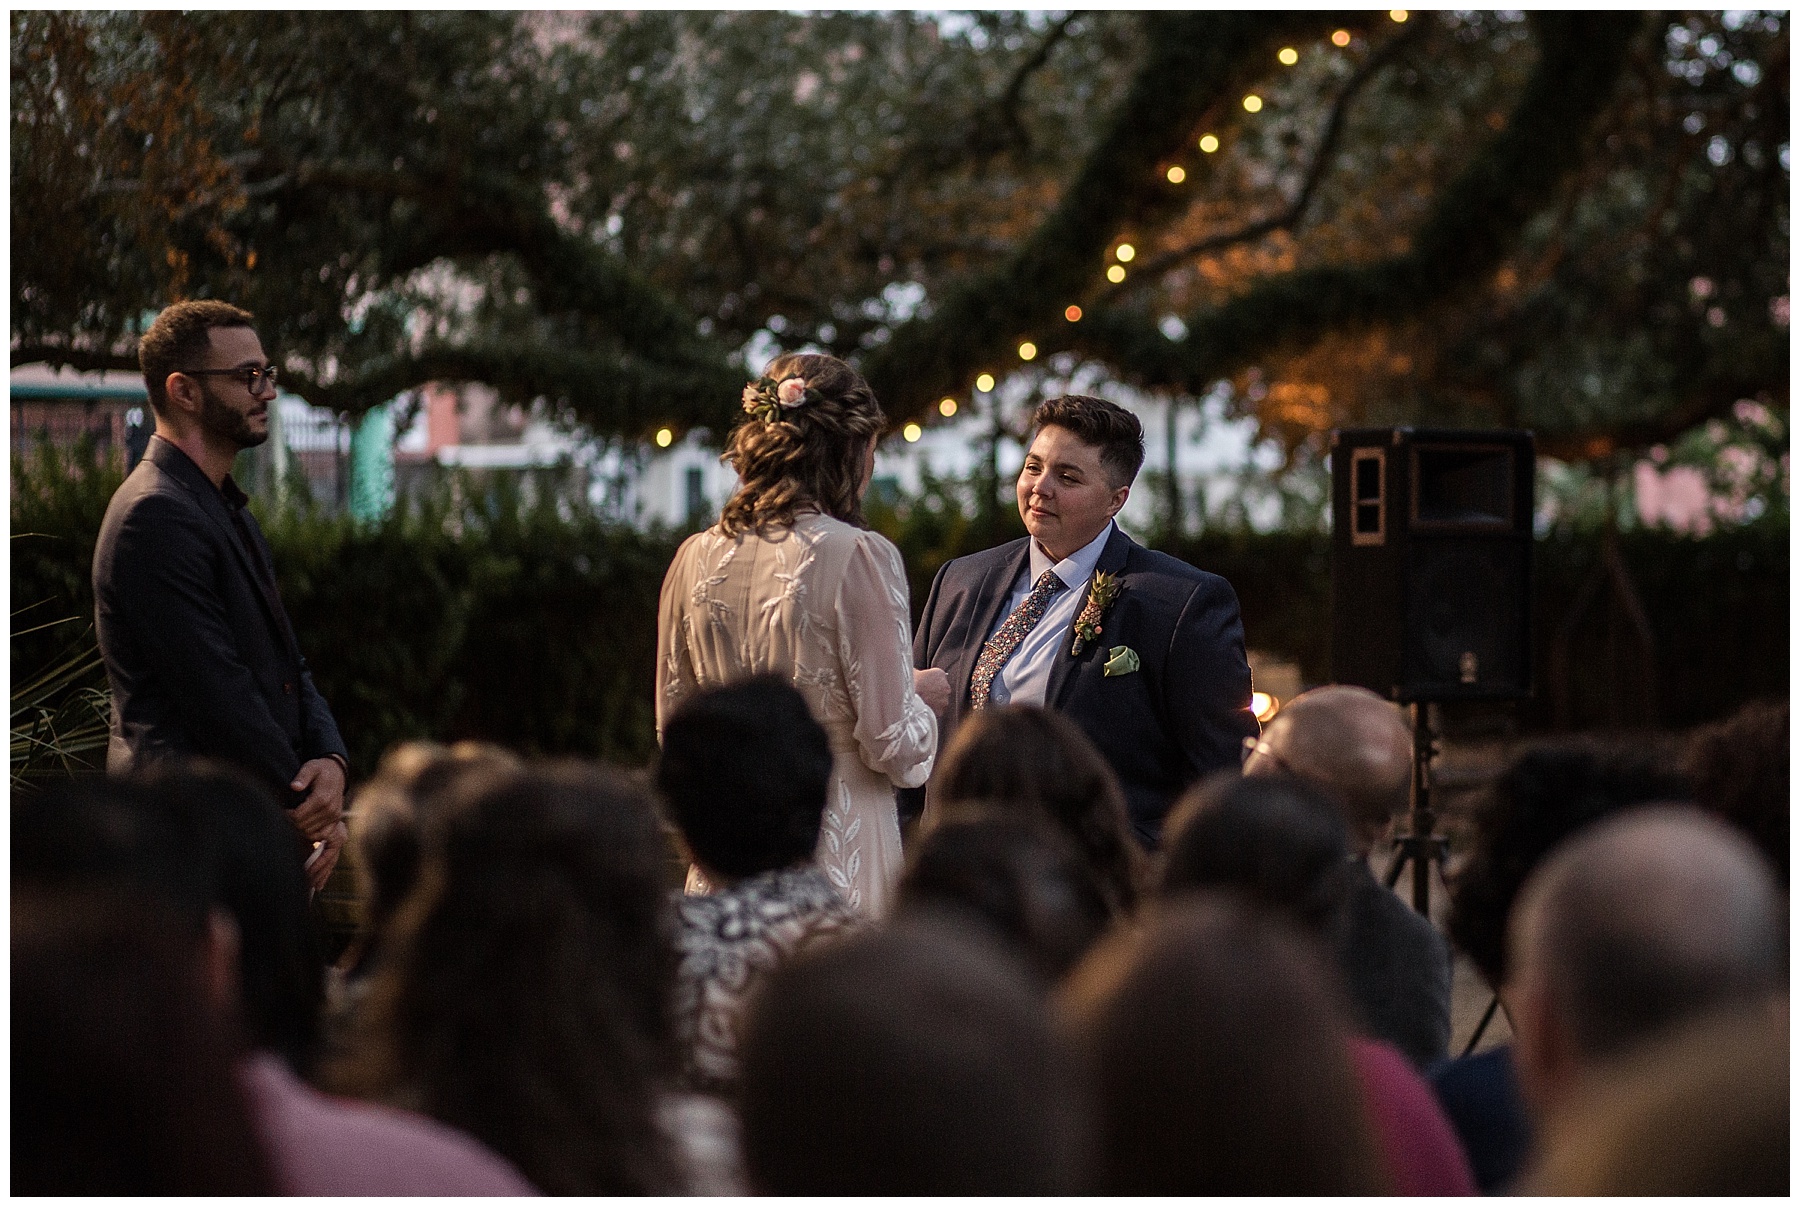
1431 562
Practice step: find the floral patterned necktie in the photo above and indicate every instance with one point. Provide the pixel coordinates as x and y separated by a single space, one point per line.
1006 640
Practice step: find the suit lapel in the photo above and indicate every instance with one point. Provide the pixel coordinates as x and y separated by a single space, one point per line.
1062 671
181 468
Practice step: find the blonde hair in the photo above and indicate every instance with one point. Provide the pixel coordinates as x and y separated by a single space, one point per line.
810 458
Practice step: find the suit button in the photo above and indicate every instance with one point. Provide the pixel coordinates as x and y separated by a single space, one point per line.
287 689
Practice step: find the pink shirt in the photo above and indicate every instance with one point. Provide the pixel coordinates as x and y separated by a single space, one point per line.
322 1145
1421 1149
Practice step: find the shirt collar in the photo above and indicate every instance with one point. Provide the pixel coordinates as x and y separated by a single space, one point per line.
234 496
1078 567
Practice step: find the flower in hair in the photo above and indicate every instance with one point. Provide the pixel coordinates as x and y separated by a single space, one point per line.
766 398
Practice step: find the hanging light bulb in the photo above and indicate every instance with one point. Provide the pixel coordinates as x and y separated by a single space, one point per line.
1073 314
911 433
947 407
1288 56
1177 174
664 437
985 382
1209 143
1253 103
1115 274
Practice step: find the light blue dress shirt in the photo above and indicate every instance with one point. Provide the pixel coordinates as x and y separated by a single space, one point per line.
1025 679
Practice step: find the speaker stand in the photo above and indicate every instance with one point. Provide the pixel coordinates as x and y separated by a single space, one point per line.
1420 846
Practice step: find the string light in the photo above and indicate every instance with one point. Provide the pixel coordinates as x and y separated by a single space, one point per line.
1340 37
911 432
1177 174
1397 14
1288 56
947 407
664 437
1027 350
1253 103
1125 252
1209 143
985 382
1115 274
1073 314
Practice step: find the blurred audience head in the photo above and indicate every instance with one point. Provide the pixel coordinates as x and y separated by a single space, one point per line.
1546 793
252 853
1639 922
209 841
912 1060
1349 745
1213 1034
124 1057
1017 875
1739 768
1274 841
1702 1110
1033 759
414 786
524 999
741 810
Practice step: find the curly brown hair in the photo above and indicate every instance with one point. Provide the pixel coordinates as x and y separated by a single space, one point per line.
810 459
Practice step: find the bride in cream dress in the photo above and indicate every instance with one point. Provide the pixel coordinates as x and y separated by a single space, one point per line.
790 582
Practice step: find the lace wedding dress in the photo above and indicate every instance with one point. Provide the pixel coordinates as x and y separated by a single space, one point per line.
823 605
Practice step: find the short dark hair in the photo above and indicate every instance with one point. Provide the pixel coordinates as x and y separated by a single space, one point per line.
198 836
1274 840
180 336
744 769
252 855
125 1071
912 1060
1546 793
1107 425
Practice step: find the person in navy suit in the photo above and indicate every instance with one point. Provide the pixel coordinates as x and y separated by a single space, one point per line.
1142 651
198 649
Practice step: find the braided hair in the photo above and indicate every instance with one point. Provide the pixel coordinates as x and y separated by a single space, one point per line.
808 457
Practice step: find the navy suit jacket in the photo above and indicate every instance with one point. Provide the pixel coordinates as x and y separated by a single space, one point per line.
197 650
1182 714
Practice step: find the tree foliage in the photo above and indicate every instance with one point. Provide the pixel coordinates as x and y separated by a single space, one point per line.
1573 222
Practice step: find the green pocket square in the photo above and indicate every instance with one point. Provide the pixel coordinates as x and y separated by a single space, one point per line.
1120 660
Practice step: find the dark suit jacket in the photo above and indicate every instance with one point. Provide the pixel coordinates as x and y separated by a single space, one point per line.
1396 967
198 652
1182 714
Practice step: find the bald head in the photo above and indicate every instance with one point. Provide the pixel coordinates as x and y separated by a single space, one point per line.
1644 920
1348 743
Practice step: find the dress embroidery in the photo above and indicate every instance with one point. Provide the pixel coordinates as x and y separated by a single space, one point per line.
824 605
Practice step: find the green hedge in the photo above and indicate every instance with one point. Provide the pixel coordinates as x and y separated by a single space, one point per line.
494 618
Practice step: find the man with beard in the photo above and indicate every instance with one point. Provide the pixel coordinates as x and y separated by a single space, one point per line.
198 648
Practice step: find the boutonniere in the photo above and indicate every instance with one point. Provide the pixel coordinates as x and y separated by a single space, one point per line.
1101 592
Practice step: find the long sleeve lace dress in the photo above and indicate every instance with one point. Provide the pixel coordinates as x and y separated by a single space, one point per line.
824 605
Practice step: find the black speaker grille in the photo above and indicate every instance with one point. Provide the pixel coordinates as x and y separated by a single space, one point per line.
1465 602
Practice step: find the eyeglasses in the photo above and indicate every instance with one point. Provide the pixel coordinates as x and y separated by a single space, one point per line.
1259 746
253 379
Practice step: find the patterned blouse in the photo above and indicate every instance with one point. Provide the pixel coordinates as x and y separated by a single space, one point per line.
726 944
